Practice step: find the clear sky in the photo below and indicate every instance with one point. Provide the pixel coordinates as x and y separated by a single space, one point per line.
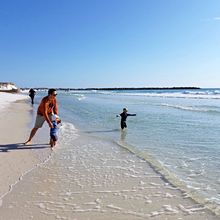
110 43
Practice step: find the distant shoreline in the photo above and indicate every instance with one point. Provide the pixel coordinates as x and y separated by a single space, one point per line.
123 88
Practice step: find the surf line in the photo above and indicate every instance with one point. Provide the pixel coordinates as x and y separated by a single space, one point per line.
168 177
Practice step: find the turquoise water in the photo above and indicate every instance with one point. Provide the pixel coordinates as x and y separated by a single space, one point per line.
179 129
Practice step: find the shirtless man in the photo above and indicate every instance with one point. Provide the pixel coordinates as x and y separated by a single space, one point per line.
47 106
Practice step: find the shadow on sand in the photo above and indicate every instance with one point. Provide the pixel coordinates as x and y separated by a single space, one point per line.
21 146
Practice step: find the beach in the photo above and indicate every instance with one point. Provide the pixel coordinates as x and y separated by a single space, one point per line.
83 177
16 159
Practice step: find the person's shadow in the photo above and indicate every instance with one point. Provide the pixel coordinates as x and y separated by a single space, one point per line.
21 146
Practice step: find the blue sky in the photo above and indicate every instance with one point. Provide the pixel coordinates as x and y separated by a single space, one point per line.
110 43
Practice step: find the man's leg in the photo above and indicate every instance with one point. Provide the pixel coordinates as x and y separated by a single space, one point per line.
33 132
38 124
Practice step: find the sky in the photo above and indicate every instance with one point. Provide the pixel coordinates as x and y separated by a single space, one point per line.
110 43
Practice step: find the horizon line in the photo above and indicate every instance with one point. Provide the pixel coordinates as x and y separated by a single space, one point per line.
117 88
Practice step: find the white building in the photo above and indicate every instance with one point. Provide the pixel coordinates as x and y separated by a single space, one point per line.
8 87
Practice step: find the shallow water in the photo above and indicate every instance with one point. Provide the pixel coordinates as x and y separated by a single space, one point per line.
177 131
180 129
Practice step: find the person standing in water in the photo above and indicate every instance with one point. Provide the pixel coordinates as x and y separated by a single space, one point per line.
32 94
48 105
124 116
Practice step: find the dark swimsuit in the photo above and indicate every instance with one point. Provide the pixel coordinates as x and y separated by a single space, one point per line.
124 116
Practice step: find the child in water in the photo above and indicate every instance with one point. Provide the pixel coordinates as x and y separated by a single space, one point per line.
53 131
124 115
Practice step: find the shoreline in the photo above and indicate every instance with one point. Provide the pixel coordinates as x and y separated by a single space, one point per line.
170 178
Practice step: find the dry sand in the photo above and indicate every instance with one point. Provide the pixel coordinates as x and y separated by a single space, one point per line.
15 158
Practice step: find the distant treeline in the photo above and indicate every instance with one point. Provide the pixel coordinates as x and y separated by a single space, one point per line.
122 88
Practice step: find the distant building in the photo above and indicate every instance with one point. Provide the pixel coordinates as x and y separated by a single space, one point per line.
8 87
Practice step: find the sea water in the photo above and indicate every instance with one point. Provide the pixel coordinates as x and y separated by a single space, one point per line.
176 131
179 129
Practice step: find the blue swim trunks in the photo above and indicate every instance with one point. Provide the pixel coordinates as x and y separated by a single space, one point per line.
54 131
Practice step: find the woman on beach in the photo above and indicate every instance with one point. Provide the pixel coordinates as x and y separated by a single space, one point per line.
32 94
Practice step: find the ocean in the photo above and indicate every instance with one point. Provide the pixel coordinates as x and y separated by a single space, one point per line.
177 131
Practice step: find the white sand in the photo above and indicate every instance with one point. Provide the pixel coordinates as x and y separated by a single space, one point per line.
15 158
7 98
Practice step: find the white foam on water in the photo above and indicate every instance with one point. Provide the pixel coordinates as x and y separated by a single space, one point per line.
67 133
111 206
79 96
181 94
193 108
197 94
